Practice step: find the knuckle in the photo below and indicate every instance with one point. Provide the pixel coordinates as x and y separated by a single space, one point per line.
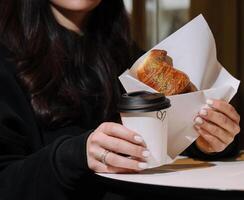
105 126
101 126
237 129
92 165
108 126
116 145
110 158
92 137
238 118
92 152
224 120
214 129
96 137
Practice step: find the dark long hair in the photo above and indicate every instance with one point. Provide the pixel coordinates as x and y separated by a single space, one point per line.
63 73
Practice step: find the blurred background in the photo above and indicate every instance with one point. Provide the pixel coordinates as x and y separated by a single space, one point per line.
154 20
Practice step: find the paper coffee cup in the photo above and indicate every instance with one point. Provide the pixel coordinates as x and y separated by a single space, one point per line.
146 114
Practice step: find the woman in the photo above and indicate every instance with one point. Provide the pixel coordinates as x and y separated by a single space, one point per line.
59 64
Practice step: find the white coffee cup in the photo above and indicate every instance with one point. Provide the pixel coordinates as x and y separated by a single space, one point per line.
146 114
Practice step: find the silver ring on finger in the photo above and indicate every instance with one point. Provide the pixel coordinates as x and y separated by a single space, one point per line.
103 156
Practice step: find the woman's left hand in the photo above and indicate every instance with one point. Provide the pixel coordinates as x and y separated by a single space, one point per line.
217 124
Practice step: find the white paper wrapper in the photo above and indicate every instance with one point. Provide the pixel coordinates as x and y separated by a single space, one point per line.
193 51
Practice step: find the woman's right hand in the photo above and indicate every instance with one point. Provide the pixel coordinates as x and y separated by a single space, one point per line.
126 150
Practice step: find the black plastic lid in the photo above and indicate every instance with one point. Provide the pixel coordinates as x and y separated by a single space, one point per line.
143 101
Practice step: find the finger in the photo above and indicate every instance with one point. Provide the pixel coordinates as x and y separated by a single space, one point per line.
122 146
96 163
221 120
225 108
96 152
102 168
203 145
118 161
215 144
215 130
119 131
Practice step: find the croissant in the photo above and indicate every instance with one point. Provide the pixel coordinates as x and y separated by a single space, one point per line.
157 72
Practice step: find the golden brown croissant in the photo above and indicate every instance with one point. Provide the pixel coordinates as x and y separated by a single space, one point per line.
157 72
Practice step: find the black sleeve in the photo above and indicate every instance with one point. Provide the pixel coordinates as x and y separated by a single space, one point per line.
230 152
28 170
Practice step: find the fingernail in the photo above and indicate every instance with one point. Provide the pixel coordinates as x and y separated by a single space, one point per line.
146 154
138 138
143 165
199 120
210 102
203 112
